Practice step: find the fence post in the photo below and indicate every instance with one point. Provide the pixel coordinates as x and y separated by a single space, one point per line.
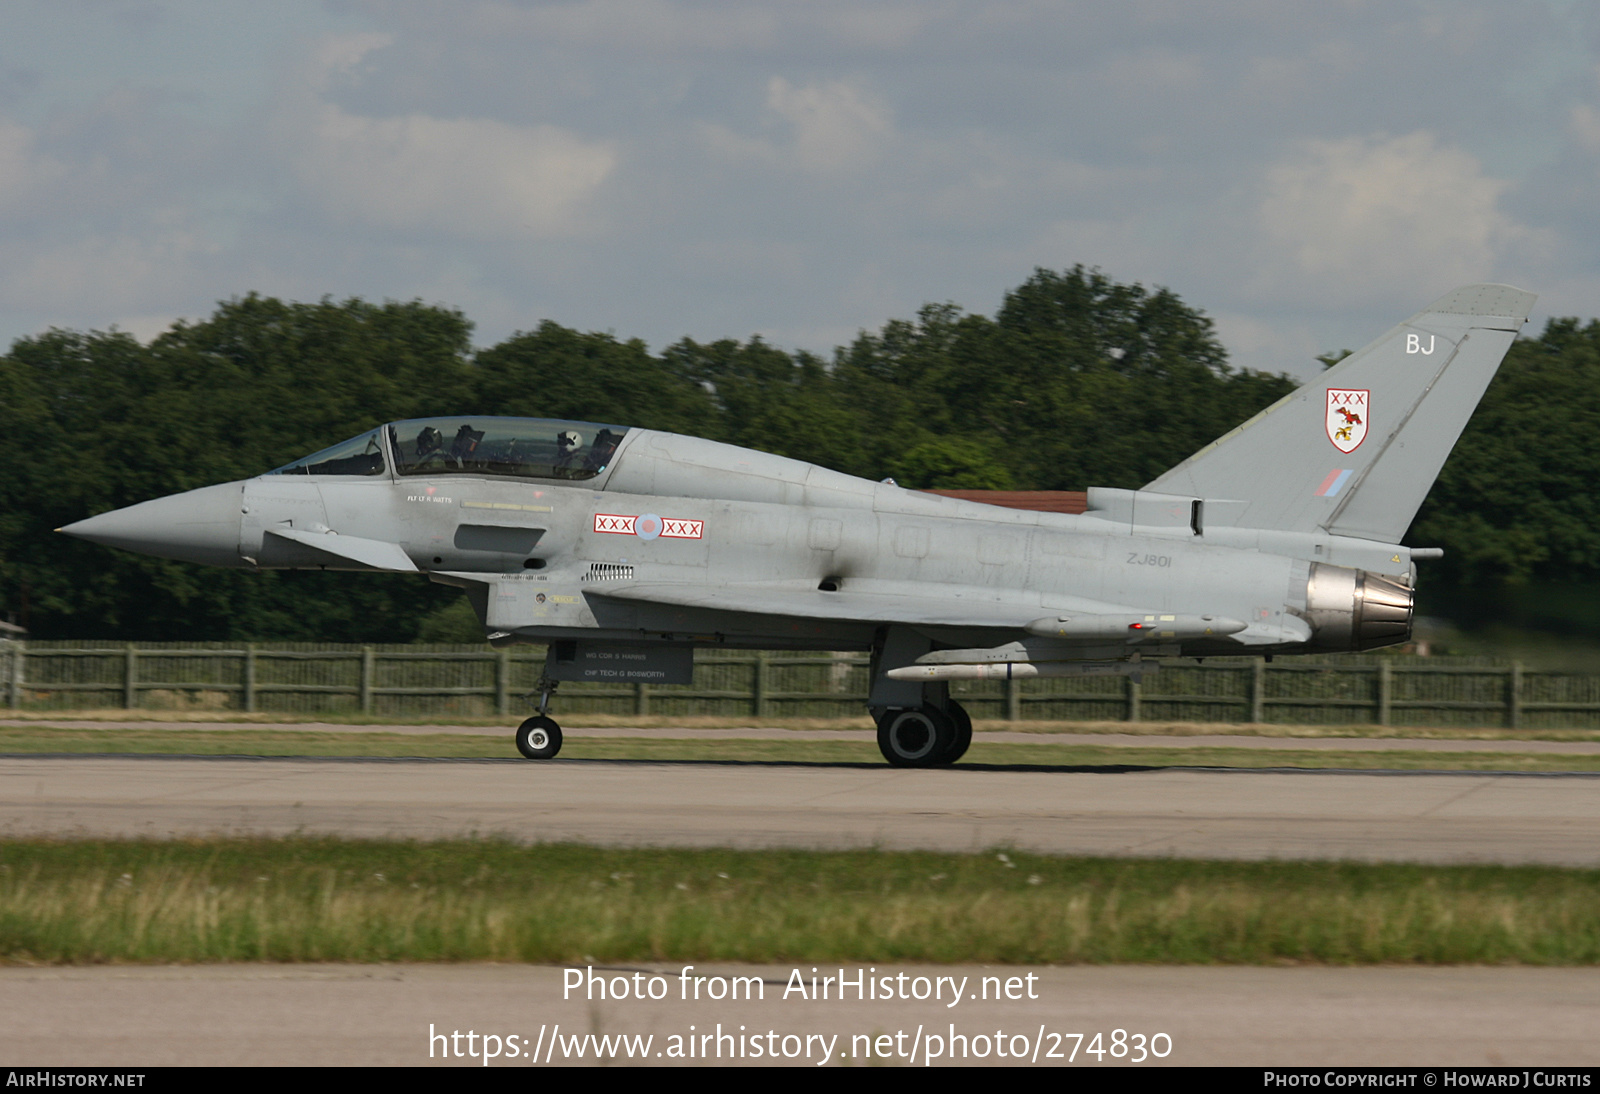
1514 696
502 681
1385 691
641 698
1013 700
367 667
1133 699
1258 690
247 680
17 652
130 677
758 691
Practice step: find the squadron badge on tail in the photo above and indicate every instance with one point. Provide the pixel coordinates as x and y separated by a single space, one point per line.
1347 417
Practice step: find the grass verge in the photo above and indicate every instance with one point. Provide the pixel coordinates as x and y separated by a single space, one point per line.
350 901
253 741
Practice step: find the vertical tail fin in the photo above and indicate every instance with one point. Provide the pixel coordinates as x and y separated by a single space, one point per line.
1354 452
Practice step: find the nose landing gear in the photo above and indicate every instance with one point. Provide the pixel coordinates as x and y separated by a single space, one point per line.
539 738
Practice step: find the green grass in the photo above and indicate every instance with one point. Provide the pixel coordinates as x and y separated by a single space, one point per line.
261 741
350 901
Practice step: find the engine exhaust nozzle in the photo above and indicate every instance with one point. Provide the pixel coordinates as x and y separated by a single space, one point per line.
1352 610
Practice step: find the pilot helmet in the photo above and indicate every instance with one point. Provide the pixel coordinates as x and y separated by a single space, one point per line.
428 440
569 440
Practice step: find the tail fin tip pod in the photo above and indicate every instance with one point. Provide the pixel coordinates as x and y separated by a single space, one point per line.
1355 451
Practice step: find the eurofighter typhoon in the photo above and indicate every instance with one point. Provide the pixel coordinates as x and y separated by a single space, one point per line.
626 549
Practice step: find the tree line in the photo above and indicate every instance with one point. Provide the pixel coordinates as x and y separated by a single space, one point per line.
1076 380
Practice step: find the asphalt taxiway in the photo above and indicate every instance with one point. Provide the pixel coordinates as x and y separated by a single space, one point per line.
1235 814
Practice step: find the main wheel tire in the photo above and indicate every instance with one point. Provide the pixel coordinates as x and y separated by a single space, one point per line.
915 738
961 740
539 738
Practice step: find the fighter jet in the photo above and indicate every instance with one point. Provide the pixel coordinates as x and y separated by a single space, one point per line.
624 550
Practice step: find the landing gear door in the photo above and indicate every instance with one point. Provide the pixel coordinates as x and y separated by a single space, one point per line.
619 663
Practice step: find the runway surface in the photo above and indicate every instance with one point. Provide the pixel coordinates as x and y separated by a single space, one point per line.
382 1015
866 736
1410 817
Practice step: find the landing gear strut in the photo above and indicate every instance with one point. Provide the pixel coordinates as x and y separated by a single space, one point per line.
539 738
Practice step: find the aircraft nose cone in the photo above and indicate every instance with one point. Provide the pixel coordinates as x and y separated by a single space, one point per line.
198 526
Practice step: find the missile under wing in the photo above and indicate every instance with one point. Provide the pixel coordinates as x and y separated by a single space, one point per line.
624 549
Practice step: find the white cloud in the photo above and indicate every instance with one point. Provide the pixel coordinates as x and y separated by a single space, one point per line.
134 270
1361 217
342 55
803 167
836 125
655 26
835 128
25 171
675 28
473 177
1586 127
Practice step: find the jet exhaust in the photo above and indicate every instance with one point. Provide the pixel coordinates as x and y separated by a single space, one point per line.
1352 610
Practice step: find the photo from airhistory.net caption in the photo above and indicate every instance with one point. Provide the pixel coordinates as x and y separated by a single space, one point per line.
791 1032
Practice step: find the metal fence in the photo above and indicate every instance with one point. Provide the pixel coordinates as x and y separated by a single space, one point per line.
471 681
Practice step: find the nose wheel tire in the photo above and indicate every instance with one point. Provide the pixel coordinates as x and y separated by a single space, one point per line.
920 737
539 738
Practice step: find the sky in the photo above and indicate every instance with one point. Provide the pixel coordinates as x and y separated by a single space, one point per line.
1307 174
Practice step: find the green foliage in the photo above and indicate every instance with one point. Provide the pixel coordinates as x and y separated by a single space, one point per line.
769 400
454 623
1077 381
555 372
1519 498
951 463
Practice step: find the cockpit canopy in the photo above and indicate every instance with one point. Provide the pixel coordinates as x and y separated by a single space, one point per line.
361 455
538 448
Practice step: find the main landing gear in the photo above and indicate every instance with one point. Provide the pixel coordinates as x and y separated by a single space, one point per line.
925 736
539 738
919 725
